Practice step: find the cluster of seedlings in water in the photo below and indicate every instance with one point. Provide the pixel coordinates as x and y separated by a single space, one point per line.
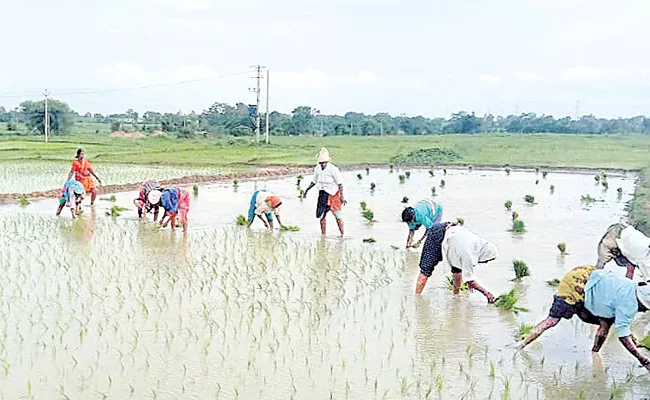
112 199
241 220
523 331
289 228
529 199
508 205
562 247
405 200
553 282
115 211
460 220
195 189
402 178
442 183
367 213
521 269
22 200
450 284
508 302
518 226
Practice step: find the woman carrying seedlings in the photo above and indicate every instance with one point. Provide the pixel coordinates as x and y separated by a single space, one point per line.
149 199
601 298
83 172
264 204
176 203
464 251
327 177
72 194
628 247
424 212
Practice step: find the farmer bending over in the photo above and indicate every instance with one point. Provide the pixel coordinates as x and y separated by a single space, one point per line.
149 199
464 250
72 194
327 177
176 203
628 247
264 204
599 298
425 212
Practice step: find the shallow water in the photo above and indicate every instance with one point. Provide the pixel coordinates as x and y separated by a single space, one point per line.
35 176
114 307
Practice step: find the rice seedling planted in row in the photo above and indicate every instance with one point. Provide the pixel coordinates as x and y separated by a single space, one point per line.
520 268
363 205
372 186
552 188
587 199
619 190
515 215
544 173
408 174
507 171
508 302
442 183
391 168
562 247
359 176
460 220
235 183
433 190
367 171
195 189
508 205
432 173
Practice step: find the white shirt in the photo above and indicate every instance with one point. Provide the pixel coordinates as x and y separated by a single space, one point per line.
327 179
261 206
635 246
464 249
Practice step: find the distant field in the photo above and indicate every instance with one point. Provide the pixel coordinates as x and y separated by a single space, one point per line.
620 151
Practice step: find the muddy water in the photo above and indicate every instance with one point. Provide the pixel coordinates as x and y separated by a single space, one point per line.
117 308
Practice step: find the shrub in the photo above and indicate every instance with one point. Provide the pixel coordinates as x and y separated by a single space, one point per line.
405 200
537 182
520 268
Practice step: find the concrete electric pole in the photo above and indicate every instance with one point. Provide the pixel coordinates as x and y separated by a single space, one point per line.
46 122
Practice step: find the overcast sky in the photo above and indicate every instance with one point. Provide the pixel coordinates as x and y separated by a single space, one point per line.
428 57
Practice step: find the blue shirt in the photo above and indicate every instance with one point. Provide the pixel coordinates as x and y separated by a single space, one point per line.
426 215
608 296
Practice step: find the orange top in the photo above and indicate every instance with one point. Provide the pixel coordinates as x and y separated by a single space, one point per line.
82 173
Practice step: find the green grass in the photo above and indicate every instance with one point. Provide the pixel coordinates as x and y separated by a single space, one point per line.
545 150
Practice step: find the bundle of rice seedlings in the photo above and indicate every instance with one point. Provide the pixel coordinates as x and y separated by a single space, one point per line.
368 215
518 226
552 187
111 199
241 220
645 342
402 178
289 228
442 183
433 190
369 240
408 174
529 198
562 247
520 268
372 186
359 176
508 205
553 282
450 284
523 331
405 200
460 220
22 200
363 205
115 211
195 189
508 302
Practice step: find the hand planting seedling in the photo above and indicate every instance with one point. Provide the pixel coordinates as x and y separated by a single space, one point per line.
562 247
508 302
369 240
115 211
529 198
405 200
553 282
402 178
523 331
22 200
521 269
518 225
289 228
241 220
508 205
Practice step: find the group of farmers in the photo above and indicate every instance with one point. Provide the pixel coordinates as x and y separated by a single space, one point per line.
152 196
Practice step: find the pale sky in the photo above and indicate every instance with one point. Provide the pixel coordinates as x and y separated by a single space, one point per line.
416 57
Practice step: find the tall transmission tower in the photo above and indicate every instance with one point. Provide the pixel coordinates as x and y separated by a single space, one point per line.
257 89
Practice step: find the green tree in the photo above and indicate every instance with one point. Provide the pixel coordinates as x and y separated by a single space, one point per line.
59 113
301 120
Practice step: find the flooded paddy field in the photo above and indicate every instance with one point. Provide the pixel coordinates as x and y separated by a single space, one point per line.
115 308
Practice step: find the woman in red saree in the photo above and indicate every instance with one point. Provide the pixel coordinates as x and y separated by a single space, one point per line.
83 172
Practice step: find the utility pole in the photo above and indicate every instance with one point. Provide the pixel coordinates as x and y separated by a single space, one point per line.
577 110
46 93
267 106
258 76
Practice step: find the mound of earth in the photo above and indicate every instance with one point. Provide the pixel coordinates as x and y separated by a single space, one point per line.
122 134
433 155
157 133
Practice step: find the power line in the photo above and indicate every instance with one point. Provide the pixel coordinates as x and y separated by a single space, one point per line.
257 89
95 91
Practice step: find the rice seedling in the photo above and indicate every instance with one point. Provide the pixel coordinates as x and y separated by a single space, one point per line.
518 226
562 247
402 178
368 215
444 171
605 185
508 205
587 199
372 186
405 200
523 331
433 190
391 168
301 193
450 284
603 174
552 188
115 211
597 178
432 173
470 167
242 220
537 182
645 342
235 183
111 199
363 205
508 302
508 170
553 282
22 200
529 198
299 179
442 183
289 228
619 191
367 171
536 170
408 174
544 173
359 176
369 240
515 215
195 189
460 220
521 269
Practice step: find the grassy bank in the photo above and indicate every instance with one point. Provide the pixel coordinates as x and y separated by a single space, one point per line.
623 152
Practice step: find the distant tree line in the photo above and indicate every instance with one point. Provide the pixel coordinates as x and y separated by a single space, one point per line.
223 118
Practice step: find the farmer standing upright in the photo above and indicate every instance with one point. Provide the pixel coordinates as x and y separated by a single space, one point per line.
83 173
327 178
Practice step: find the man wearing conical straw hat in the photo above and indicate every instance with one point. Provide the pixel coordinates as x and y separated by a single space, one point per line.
327 177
